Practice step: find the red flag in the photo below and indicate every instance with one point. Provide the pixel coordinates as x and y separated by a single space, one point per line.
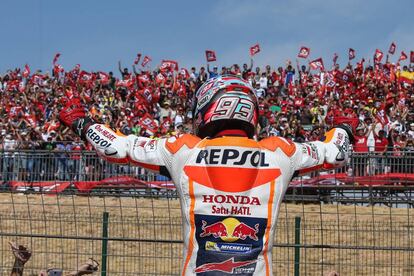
144 78
317 64
210 55
22 87
125 83
85 77
148 123
360 65
378 56
351 54
37 79
145 61
169 65
184 73
165 125
392 48
412 57
58 69
137 58
304 52
104 77
26 71
55 59
335 58
403 56
160 78
254 49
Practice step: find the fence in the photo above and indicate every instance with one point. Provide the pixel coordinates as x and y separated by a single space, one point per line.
358 223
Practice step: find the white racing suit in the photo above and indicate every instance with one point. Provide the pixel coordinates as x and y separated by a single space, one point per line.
230 189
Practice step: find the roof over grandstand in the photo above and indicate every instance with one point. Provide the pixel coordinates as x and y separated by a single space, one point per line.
99 33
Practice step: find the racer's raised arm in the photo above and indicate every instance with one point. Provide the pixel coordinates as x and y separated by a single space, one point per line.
115 147
330 153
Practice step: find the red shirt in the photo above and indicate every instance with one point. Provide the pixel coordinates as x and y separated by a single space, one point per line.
361 144
380 144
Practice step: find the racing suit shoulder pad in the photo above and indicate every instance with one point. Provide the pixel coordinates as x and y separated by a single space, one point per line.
174 145
273 143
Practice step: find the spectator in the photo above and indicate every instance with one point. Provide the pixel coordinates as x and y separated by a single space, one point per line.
22 255
214 73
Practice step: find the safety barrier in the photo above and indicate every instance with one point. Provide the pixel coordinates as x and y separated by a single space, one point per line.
80 166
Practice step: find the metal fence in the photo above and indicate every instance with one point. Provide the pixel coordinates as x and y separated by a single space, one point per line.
356 221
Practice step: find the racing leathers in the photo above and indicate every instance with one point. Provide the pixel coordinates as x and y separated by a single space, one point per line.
230 189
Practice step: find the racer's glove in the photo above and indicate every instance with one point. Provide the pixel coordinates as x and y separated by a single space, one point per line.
74 116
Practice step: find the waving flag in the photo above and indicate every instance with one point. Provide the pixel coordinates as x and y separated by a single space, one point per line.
148 123
55 59
304 52
403 56
144 78
85 78
145 61
360 65
335 58
412 57
378 56
351 54
210 55
26 71
160 78
184 73
58 69
392 48
125 83
317 64
137 58
166 124
104 77
167 65
254 49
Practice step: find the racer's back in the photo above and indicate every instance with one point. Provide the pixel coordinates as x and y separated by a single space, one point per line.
230 190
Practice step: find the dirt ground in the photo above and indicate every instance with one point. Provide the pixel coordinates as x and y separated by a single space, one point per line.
63 231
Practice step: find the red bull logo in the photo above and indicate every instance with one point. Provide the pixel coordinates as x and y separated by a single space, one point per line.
217 229
230 230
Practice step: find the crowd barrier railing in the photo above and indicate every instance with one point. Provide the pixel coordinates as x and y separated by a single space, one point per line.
370 168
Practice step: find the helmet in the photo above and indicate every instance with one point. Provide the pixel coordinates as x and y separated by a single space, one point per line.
224 103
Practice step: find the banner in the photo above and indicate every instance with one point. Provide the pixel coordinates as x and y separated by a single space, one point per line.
104 77
335 58
55 59
378 56
169 65
254 49
304 52
148 123
403 56
317 64
392 48
26 71
351 54
210 56
145 61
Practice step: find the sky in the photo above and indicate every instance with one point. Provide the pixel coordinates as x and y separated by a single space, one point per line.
98 34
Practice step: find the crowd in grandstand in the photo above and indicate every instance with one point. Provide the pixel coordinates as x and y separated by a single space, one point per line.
295 102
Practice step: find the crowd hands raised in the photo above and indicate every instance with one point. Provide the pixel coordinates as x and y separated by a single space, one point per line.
294 102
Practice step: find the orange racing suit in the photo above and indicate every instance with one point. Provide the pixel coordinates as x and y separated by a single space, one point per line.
230 189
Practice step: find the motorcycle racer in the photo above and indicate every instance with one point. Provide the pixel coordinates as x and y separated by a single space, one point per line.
230 185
